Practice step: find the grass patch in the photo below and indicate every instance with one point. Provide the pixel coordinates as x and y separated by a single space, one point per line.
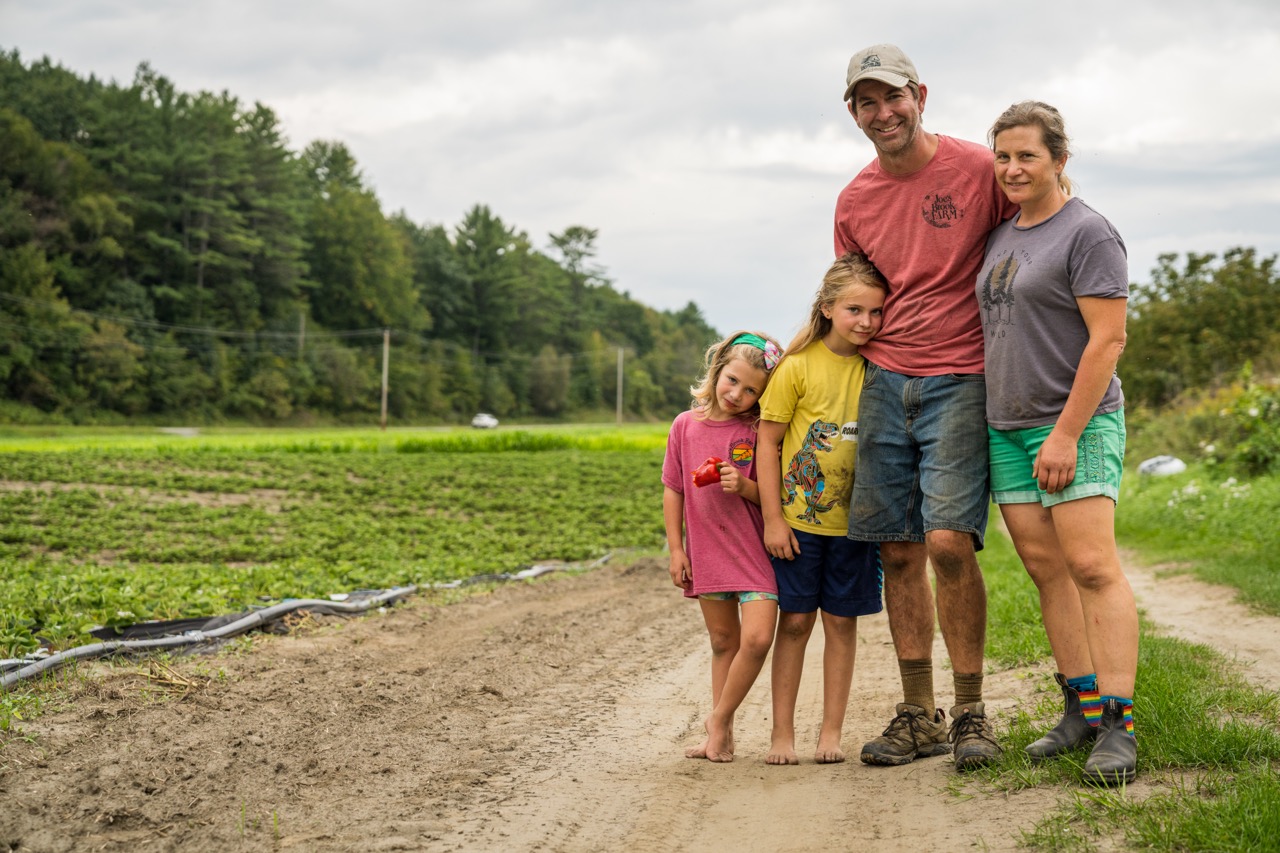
335 439
1207 738
1193 711
1197 712
1015 632
1222 528
1236 812
16 706
1233 813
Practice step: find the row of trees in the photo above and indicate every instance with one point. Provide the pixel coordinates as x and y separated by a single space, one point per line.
165 254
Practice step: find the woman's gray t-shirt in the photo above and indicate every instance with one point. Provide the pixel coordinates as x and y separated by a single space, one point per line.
1034 332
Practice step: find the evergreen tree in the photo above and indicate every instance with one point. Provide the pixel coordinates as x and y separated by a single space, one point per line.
359 260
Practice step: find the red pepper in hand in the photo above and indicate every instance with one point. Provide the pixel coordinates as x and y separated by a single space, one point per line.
708 472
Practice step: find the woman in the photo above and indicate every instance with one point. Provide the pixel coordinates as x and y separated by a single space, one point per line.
1054 290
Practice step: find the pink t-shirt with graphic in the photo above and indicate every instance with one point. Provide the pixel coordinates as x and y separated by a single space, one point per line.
926 232
724 533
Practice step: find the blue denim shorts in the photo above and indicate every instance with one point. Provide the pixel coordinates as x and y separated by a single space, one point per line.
1099 462
831 573
922 457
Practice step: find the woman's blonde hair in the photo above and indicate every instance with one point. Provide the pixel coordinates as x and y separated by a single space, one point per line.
755 348
1053 131
848 270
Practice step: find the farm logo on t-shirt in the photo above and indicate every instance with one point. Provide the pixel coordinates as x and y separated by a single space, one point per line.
939 208
741 453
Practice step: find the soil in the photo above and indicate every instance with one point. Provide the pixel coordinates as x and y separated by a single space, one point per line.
549 715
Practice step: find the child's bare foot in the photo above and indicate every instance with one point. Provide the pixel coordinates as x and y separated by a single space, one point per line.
719 741
713 748
699 751
782 752
828 751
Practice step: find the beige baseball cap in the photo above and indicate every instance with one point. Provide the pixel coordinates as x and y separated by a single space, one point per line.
884 62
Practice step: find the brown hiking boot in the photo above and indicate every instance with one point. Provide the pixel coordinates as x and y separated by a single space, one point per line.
912 734
1114 760
972 740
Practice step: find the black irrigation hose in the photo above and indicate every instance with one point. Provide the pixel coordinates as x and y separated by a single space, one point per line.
188 638
262 617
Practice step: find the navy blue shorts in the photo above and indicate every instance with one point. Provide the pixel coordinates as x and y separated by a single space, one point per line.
832 573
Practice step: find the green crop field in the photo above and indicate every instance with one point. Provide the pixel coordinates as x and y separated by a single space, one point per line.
116 527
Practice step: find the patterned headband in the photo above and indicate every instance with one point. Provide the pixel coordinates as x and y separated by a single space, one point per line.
771 352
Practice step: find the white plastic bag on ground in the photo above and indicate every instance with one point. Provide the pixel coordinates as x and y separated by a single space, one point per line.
1162 466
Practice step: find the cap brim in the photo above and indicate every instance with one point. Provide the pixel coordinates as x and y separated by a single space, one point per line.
897 81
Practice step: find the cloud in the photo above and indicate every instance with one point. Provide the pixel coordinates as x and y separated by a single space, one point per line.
541 85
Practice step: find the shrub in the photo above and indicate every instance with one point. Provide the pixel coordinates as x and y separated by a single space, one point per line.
1236 427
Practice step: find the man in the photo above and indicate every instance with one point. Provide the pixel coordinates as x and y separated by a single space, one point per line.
921 212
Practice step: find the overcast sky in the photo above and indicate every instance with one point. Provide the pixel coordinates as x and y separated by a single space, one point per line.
706 139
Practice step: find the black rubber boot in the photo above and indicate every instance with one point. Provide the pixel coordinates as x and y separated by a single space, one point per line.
1072 730
1114 760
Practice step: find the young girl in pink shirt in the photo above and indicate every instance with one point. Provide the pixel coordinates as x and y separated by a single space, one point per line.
711 510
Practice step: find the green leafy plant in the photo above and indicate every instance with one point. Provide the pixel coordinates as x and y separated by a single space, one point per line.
108 537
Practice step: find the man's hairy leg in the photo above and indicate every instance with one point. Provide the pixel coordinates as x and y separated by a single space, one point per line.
962 598
908 598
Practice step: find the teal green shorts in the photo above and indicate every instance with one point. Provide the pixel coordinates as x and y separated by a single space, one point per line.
1099 462
740 597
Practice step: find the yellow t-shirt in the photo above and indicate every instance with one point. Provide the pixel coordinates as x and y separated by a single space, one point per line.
815 392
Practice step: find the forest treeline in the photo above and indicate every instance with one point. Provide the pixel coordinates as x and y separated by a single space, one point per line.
1201 325
165 255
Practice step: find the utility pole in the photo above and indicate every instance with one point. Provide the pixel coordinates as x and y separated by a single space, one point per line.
386 361
619 386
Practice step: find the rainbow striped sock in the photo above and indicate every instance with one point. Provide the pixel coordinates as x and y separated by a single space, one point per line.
1127 705
1090 699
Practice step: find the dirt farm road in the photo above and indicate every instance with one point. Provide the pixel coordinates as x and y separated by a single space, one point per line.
544 716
